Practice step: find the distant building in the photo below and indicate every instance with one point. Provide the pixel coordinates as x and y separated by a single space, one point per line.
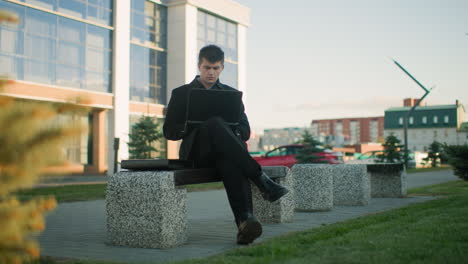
348 131
442 123
255 142
281 136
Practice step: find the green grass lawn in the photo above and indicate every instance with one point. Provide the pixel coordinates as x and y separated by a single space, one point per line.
67 193
73 193
441 168
432 232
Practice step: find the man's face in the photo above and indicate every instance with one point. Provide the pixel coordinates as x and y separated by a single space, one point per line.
209 72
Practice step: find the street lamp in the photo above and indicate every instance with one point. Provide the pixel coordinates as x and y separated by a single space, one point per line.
405 131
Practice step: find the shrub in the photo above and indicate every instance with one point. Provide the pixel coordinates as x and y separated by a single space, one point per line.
311 147
142 136
392 150
29 142
458 159
433 156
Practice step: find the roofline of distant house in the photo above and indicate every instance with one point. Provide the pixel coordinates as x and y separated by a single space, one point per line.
339 119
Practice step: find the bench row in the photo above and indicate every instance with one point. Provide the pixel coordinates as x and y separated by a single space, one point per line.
147 209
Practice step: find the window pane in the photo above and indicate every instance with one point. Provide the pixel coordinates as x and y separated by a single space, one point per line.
99 15
98 37
220 32
71 30
101 3
229 75
47 4
96 81
138 20
222 24
69 76
210 38
40 48
149 25
37 71
40 23
147 75
95 59
149 8
138 5
8 40
201 18
70 54
72 7
8 66
221 39
210 21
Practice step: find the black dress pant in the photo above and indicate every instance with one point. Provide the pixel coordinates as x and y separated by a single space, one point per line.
216 145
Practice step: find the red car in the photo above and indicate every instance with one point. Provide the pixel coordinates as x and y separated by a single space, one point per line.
285 156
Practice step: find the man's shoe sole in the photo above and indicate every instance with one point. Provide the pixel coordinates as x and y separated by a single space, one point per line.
278 195
249 230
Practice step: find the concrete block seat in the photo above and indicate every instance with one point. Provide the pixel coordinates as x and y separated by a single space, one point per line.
387 180
279 211
148 209
351 185
313 187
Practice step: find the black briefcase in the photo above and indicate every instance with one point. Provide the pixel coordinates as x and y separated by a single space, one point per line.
156 164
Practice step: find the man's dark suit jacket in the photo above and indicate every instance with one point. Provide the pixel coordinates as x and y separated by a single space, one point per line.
175 127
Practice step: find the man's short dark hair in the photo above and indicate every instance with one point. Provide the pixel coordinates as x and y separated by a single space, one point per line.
211 53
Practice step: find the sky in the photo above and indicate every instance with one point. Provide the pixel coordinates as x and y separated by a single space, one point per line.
311 59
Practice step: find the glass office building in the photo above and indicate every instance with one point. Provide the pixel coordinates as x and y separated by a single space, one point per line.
125 57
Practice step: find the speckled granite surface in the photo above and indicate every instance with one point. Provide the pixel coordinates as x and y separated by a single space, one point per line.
351 184
279 211
388 180
144 209
313 187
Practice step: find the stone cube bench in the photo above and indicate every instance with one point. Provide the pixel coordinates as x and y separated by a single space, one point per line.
387 180
351 184
148 209
279 211
313 187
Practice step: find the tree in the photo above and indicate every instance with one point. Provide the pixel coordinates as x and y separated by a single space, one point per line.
392 150
143 134
458 159
308 154
433 156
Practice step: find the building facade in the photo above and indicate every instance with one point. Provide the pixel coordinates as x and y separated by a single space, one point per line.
441 123
275 137
348 131
124 57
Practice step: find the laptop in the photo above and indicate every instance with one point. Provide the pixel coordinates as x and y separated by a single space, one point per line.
203 104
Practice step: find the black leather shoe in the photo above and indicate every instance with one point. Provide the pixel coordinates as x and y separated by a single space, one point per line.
249 230
270 190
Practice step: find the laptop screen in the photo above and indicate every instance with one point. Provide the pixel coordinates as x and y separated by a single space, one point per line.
206 103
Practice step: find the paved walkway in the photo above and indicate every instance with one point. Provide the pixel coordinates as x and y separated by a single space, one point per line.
78 230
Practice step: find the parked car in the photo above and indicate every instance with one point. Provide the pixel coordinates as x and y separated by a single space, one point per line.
285 156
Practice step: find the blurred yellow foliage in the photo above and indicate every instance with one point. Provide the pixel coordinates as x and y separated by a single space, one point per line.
29 142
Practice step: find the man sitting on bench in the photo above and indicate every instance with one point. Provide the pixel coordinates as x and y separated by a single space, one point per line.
213 143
